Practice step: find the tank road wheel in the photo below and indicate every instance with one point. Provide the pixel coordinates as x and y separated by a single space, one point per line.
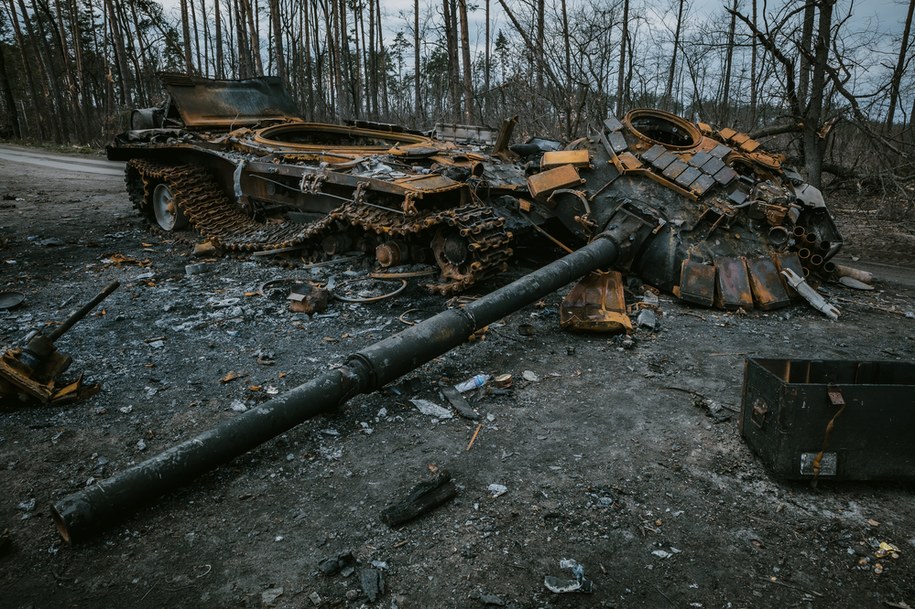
152 196
451 253
165 209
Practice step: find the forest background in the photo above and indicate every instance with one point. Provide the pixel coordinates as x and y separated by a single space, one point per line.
823 81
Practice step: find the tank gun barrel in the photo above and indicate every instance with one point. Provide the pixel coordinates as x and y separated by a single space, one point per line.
92 508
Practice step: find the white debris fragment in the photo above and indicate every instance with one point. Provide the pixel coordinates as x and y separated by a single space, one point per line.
497 490
431 409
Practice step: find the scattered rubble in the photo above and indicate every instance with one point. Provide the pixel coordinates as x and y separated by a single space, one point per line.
600 461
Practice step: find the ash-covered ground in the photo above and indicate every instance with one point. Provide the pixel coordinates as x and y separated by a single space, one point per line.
622 454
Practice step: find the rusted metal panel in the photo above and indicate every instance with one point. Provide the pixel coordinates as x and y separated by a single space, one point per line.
768 290
630 161
720 151
725 176
733 284
697 283
596 304
700 158
749 146
672 171
690 175
618 141
428 183
702 184
651 155
661 163
713 166
228 103
740 139
739 195
545 182
612 123
727 133
557 158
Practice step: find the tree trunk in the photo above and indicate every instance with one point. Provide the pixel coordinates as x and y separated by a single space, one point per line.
36 102
255 44
275 20
814 146
241 34
900 68
8 100
306 58
382 61
417 94
668 91
220 58
568 70
539 59
356 75
61 133
451 41
754 88
334 47
186 36
803 76
728 63
487 63
143 60
372 59
465 60
193 13
206 39
621 77
72 94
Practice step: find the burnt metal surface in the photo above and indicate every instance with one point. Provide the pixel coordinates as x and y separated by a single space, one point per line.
714 197
596 304
830 419
201 102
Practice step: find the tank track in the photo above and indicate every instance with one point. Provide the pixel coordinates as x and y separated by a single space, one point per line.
487 240
211 212
213 215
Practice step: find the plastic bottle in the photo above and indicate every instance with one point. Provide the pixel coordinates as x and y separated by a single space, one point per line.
472 383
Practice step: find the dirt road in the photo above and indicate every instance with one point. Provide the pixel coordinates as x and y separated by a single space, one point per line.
603 453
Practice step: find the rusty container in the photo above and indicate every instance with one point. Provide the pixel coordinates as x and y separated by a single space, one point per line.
831 419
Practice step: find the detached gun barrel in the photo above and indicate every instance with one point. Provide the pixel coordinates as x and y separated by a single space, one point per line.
94 507
82 311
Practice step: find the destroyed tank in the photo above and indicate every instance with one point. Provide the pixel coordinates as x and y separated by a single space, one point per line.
231 160
701 213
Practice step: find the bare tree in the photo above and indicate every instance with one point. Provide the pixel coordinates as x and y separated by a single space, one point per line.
465 61
621 75
896 79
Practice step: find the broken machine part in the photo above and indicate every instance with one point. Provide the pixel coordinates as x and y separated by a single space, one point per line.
29 374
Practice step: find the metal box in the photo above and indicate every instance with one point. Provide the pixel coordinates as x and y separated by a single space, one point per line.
838 419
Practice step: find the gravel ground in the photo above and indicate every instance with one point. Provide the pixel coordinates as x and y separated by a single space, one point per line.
622 454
